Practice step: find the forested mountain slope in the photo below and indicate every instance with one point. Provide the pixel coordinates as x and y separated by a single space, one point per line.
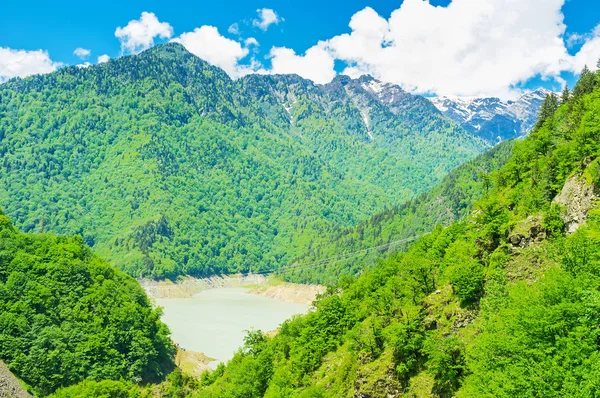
502 304
165 166
67 316
349 251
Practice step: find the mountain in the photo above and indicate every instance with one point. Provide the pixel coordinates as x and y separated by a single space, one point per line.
166 166
504 303
349 251
67 316
492 119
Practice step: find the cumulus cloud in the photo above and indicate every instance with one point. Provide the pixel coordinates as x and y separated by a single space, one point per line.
266 18
207 43
482 47
139 34
84 65
22 63
468 48
103 58
82 52
587 55
316 64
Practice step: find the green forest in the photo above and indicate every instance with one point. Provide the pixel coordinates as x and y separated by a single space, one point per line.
345 252
496 296
502 303
166 167
67 316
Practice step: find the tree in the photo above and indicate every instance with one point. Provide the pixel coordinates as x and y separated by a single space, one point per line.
549 106
585 85
566 94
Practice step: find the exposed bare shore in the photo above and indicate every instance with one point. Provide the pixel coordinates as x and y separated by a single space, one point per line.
290 292
257 284
187 287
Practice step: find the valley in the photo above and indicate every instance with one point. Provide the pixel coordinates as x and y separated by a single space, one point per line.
169 228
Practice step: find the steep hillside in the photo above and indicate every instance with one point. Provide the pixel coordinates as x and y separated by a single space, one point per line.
492 119
349 251
165 166
502 304
67 316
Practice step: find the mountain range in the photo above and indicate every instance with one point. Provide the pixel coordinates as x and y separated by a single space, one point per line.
169 167
166 166
491 118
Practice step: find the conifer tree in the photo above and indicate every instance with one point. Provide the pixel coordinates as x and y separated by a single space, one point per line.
549 106
564 98
585 84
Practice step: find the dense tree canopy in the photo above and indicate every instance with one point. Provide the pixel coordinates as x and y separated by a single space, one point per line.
502 304
395 228
165 166
66 315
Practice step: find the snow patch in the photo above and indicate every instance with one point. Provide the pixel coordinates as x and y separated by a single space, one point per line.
365 117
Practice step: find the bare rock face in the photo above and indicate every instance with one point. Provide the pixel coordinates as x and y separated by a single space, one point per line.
578 198
527 232
9 385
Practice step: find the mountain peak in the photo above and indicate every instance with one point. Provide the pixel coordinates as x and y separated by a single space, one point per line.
488 116
168 50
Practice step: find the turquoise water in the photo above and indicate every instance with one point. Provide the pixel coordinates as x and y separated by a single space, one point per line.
214 321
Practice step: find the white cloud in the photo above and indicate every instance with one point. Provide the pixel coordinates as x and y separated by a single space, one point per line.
469 48
251 41
139 35
234 29
266 18
483 47
103 58
466 48
22 63
84 65
316 64
207 43
82 52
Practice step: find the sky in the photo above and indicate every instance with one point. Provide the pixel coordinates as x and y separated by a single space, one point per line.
436 47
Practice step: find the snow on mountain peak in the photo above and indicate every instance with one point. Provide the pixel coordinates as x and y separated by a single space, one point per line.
484 116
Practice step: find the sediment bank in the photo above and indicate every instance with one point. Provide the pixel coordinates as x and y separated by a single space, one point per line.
260 285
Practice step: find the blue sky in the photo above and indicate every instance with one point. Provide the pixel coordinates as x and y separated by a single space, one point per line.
60 27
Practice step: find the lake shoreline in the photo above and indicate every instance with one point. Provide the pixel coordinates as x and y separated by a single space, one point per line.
261 285
216 321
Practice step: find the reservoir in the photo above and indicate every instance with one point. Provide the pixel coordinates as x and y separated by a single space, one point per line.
214 321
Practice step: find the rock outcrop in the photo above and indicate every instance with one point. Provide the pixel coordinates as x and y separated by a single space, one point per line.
9 385
527 232
578 197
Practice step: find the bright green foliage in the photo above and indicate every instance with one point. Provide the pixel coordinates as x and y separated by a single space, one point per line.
66 316
549 106
566 94
451 200
101 389
467 311
165 166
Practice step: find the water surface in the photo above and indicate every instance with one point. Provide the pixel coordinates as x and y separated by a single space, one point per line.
214 321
